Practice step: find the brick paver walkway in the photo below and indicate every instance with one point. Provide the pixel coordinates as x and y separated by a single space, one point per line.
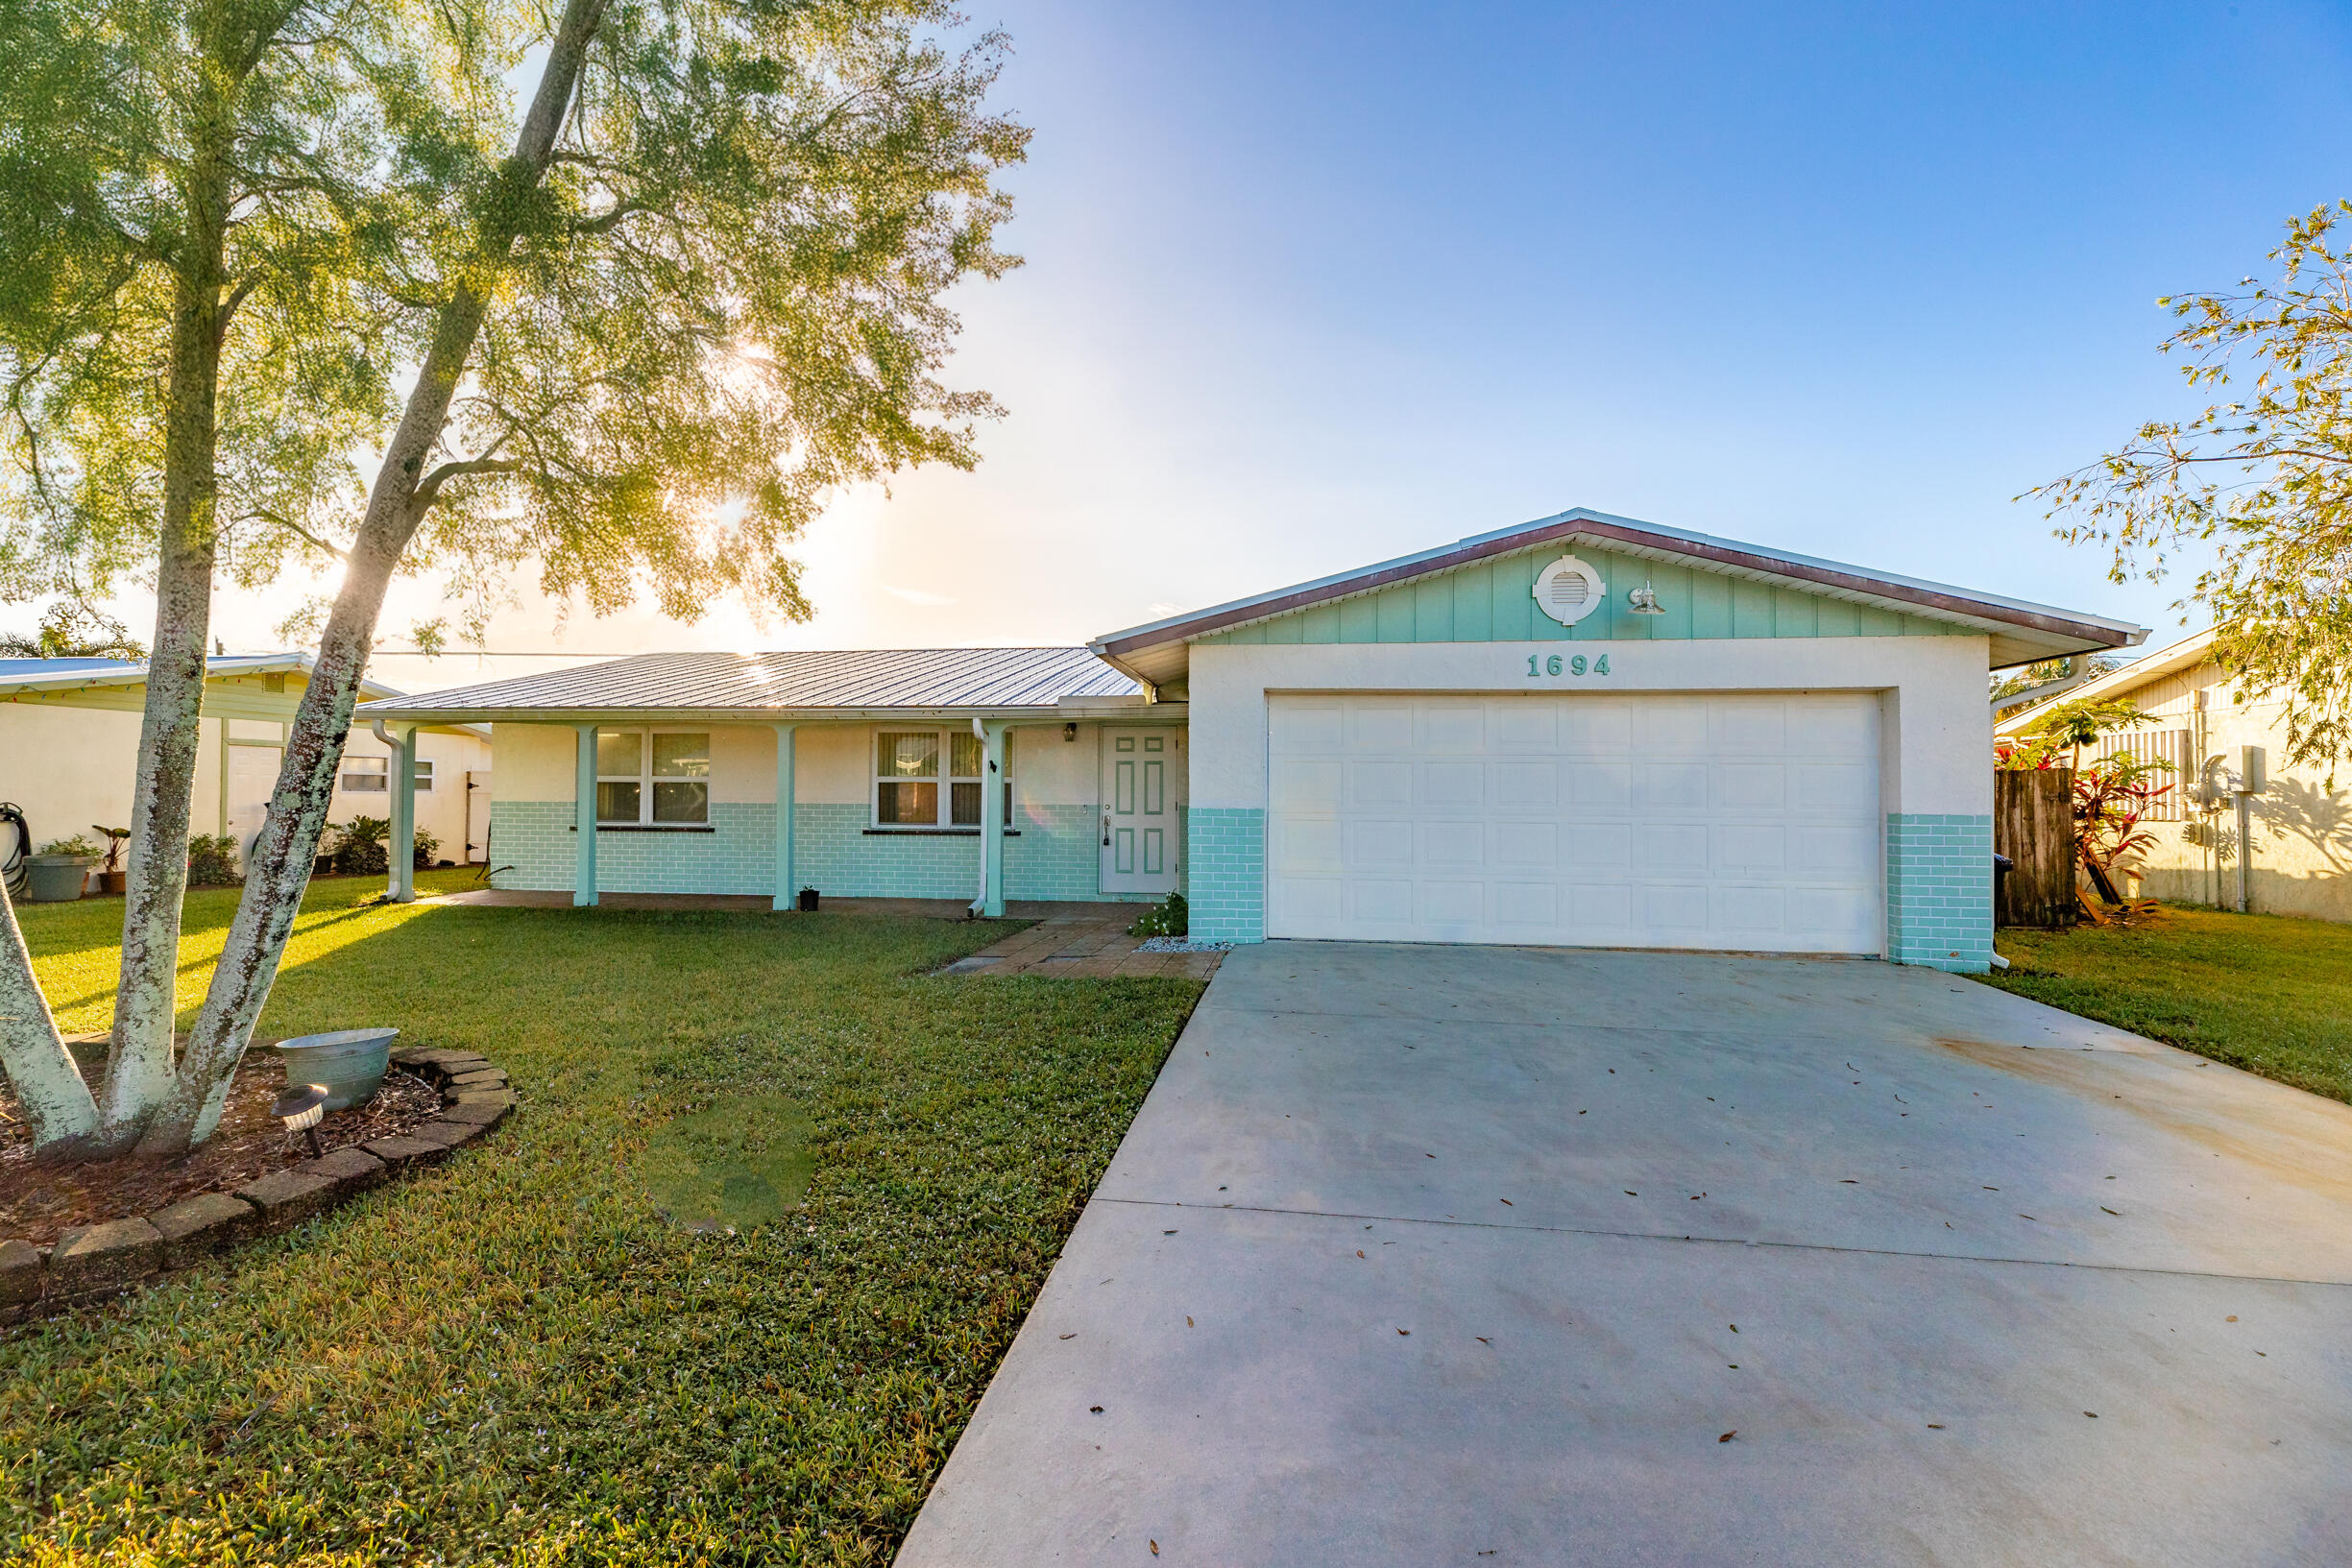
1083 940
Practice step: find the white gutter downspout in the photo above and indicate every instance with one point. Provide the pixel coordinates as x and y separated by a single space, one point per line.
400 852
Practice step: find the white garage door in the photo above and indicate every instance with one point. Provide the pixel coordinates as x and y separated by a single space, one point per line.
1741 822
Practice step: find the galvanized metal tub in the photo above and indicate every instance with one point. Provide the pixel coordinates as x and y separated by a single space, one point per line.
349 1062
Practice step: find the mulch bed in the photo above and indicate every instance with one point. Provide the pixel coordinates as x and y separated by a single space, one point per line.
38 1202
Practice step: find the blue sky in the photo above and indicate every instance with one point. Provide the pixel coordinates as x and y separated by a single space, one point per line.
1312 286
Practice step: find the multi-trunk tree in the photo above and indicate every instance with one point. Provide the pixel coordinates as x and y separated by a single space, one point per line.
633 334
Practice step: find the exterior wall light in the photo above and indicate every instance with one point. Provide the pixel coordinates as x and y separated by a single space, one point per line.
1644 600
300 1108
1069 732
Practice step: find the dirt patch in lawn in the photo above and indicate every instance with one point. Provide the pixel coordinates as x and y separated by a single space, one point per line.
38 1202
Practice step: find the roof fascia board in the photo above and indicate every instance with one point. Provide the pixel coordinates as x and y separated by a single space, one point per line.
1978 611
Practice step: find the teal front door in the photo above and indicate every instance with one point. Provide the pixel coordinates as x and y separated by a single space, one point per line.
1143 809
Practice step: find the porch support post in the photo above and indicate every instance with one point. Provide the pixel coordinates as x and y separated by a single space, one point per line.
584 868
403 855
787 894
991 901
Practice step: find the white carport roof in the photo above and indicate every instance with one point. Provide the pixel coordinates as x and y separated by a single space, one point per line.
836 685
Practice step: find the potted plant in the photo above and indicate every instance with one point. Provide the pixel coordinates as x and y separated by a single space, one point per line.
56 873
111 876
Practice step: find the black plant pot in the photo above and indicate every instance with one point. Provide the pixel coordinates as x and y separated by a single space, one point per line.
808 900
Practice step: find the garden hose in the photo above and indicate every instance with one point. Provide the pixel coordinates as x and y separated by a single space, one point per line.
12 864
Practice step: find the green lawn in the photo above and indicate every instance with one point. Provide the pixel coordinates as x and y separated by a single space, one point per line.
2262 992
517 1357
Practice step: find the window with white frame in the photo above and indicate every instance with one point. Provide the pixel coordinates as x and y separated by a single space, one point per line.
372 775
653 778
912 768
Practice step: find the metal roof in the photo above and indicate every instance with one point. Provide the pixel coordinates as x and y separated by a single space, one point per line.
837 680
2022 631
79 674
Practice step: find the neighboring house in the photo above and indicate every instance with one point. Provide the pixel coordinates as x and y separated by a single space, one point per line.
1584 731
2198 720
69 743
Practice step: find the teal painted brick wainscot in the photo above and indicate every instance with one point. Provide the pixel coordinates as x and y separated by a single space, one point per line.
1939 891
1494 601
1226 870
1052 854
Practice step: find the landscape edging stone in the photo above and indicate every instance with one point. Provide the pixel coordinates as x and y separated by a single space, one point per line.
106 1259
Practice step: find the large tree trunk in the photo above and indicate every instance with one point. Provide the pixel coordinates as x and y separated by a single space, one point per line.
49 1087
279 868
139 1059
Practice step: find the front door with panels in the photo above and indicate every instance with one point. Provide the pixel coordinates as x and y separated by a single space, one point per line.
1143 810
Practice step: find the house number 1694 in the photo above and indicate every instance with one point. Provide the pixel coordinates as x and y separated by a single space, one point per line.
1573 664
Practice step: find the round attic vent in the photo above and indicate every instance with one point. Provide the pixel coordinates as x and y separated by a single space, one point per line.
1568 591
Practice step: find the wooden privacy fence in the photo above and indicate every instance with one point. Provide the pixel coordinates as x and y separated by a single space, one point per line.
2033 825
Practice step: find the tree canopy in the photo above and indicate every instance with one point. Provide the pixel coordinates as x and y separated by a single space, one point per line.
2262 476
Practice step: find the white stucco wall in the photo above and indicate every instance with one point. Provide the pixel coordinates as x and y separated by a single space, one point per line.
71 768
1936 725
2302 850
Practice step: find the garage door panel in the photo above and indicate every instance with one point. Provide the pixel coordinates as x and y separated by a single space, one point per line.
1602 913
1599 785
1833 727
1729 821
1526 786
1834 853
1671 787
1530 725
1526 846
1381 899
1747 786
1461 904
1377 846
1679 908
1453 844
1756 911
1600 845
1599 727
1747 849
1526 906
1452 785
1381 727
1747 726
1453 727
1379 784
1835 786
1294 727
1307 786
1668 726
1667 847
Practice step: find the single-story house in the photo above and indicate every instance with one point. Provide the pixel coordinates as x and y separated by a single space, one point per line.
69 746
2198 720
1583 729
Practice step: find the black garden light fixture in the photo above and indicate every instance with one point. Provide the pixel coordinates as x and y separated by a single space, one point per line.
300 1108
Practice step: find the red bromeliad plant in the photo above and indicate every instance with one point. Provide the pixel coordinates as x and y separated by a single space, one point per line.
2112 796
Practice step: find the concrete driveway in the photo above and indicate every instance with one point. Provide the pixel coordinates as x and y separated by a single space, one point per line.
1430 1255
